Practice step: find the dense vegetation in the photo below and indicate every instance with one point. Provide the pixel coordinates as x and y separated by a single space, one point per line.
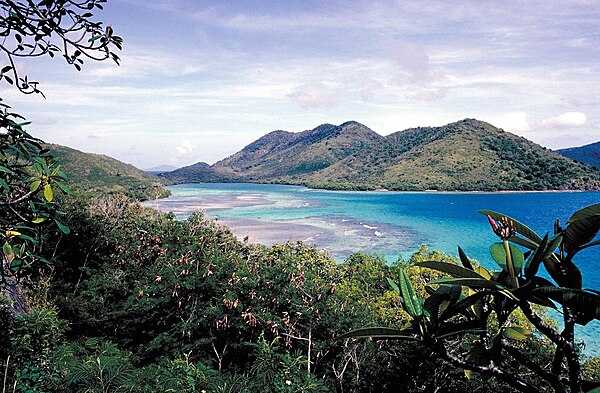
499 307
466 155
99 294
140 302
588 154
95 173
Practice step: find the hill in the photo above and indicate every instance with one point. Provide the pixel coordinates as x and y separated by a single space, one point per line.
467 155
88 172
282 154
200 172
587 154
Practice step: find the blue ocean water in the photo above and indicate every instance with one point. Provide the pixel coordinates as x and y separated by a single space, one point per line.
440 220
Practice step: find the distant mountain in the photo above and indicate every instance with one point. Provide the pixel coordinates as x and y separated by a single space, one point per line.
588 154
282 154
96 173
465 155
160 169
200 172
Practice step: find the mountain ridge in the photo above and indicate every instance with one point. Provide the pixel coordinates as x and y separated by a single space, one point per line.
466 155
588 154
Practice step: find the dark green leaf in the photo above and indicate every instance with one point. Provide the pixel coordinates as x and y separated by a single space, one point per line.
499 255
411 301
450 268
464 259
533 264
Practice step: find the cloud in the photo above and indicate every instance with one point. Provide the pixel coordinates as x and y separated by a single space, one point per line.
512 121
565 120
185 148
314 95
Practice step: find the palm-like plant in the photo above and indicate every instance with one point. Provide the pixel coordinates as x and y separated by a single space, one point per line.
471 318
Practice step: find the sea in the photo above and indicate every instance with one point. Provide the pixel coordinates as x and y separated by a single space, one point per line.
389 224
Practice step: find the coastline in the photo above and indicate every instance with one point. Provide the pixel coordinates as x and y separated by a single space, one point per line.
386 191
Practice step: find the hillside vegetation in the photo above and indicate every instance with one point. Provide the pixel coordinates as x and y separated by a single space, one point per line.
145 303
466 155
93 173
587 154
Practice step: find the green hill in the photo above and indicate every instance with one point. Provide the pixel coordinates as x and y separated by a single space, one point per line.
282 154
466 155
96 173
200 172
587 154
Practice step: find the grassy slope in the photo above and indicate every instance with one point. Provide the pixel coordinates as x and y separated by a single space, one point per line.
466 155
96 173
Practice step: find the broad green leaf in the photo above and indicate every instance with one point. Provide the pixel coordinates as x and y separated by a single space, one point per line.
517 333
39 220
393 285
11 233
48 193
8 252
580 232
521 228
5 169
28 238
412 302
63 187
533 263
62 227
16 265
586 212
476 283
586 305
499 255
521 241
439 301
35 185
450 268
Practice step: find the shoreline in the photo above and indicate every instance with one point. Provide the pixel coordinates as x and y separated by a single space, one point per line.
389 192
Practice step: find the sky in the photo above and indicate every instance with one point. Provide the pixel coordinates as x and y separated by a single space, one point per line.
199 80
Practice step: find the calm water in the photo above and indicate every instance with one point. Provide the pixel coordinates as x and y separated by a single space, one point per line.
391 224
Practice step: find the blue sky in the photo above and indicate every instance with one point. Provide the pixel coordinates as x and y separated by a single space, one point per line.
199 79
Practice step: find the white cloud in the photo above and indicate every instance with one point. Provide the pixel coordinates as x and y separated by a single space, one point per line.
512 121
565 120
314 95
185 148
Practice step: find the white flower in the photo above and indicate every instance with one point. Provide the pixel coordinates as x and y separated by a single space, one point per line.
288 382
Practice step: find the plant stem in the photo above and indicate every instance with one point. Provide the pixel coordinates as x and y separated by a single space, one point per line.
509 263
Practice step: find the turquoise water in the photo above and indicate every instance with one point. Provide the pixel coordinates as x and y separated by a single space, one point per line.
375 220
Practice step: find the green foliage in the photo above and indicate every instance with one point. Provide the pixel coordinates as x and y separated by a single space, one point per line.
492 315
151 304
95 174
29 183
29 176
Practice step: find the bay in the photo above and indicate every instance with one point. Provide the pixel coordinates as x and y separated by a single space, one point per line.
390 224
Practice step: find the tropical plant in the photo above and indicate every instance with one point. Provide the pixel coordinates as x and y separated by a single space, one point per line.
29 178
481 320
